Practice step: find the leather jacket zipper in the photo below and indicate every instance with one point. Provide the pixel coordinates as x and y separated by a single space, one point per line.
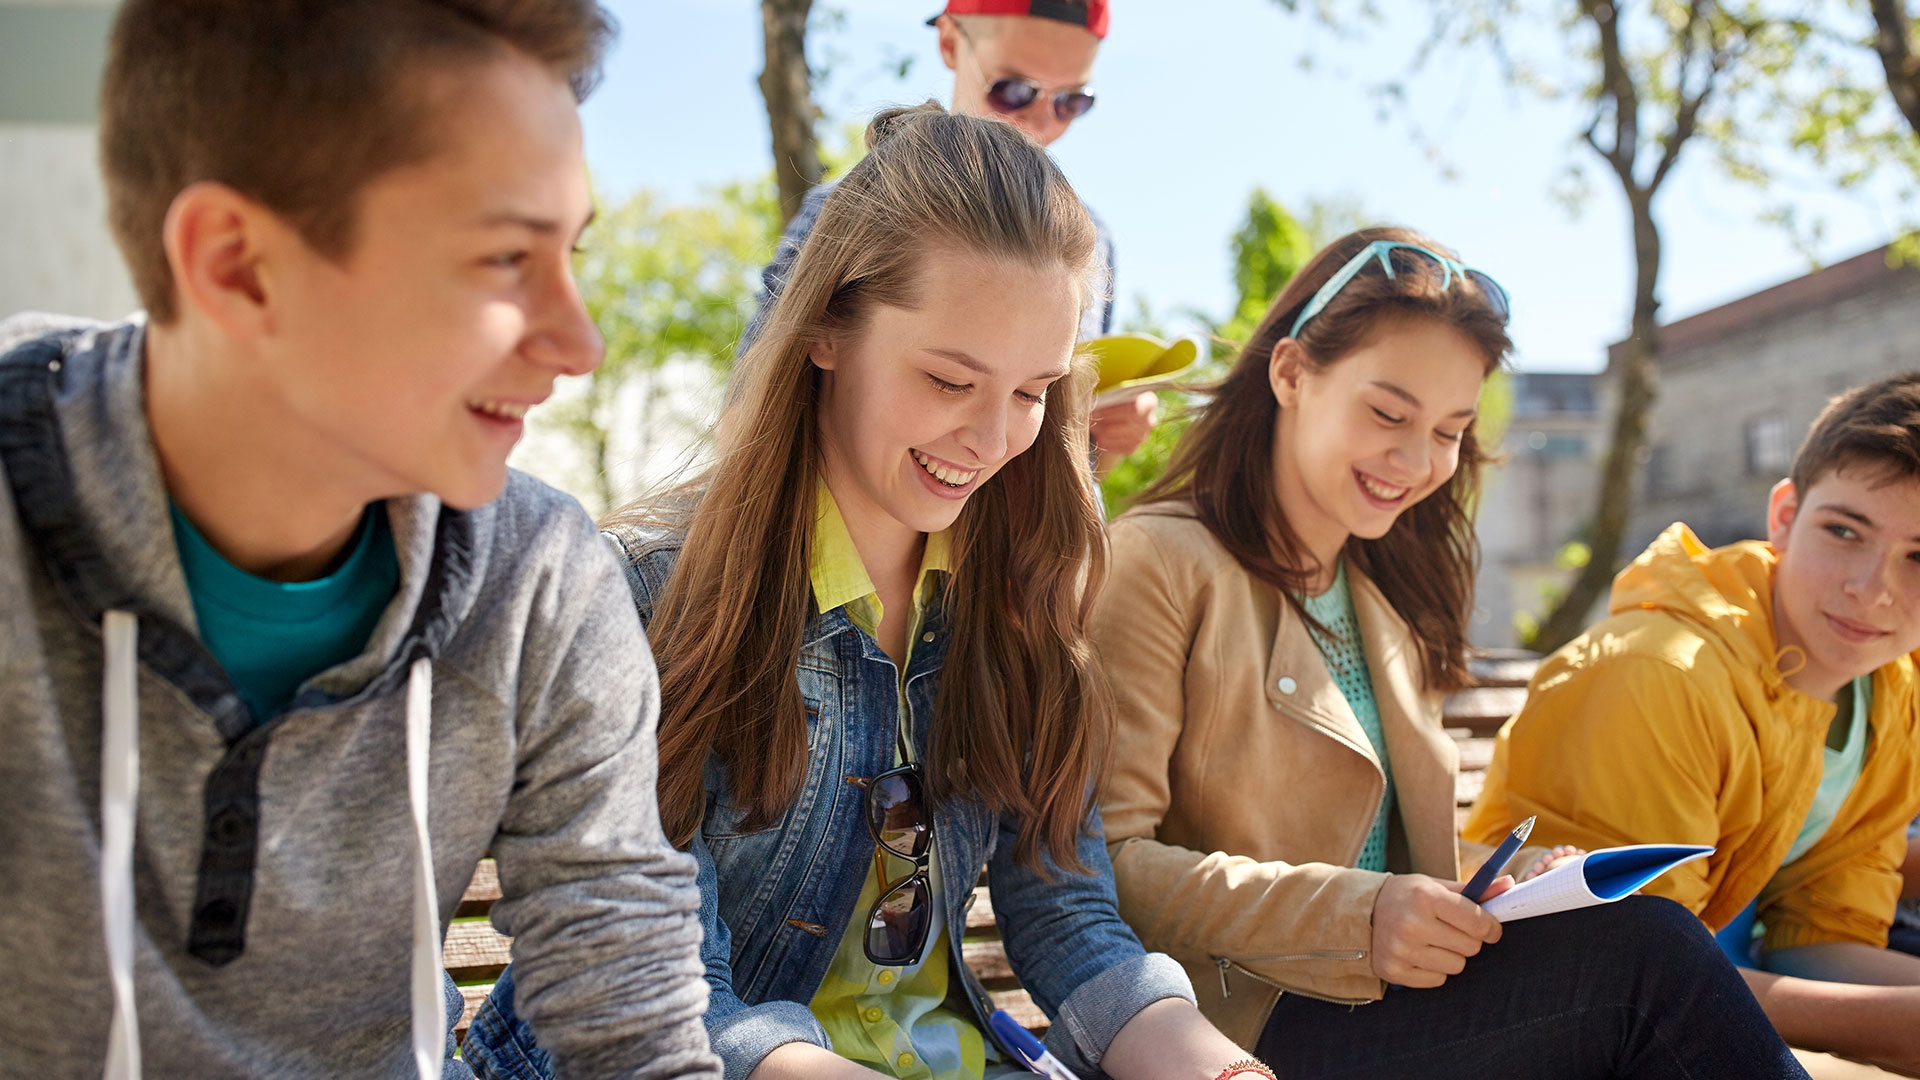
1225 965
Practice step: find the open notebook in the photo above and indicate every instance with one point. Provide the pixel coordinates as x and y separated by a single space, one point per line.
1598 877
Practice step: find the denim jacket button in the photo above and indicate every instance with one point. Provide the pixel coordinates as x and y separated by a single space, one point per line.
1287 685
928 636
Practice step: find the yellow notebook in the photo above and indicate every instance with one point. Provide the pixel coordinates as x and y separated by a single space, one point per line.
1132 363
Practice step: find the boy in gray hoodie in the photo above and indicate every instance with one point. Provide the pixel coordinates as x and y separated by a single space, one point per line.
286 647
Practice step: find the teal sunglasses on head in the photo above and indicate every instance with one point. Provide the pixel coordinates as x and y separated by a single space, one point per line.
1383 250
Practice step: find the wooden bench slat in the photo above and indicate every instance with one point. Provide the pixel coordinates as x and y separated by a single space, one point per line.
1476 753
1019 1005
1483 708
481 892
1504 670
476 952
471 997
988 959
980 918
1467 787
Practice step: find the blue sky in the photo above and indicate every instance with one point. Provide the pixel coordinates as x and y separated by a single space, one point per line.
1202 102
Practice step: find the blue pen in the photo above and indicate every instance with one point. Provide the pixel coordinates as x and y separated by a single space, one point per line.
1484 876
1032 1053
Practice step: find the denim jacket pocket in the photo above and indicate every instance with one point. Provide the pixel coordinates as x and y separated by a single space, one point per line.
725 818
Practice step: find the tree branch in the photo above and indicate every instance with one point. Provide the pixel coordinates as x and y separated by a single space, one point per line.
1616 83
1688 112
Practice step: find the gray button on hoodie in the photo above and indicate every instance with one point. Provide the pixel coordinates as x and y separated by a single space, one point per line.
272 865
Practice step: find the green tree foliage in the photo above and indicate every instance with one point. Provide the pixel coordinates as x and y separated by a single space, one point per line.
1837 84
1268 248
666 284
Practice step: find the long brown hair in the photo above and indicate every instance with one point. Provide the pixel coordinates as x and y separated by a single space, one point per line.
1021 716
1223 467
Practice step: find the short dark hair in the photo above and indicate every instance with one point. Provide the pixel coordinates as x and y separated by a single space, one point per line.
1876 426
297 104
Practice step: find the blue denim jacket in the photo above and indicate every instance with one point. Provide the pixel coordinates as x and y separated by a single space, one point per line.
774 901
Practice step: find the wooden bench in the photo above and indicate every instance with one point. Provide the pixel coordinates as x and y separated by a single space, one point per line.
1474 715
476 954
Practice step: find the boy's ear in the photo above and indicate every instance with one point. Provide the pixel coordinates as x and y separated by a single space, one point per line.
214 243
949 42
1783 503
1284 368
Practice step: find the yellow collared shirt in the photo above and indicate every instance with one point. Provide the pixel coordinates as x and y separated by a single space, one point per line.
889 1018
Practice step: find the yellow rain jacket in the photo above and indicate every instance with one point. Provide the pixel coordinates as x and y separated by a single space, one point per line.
1670 722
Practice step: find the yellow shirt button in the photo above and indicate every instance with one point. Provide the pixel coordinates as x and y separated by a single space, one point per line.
905 1061
886 978
873 1016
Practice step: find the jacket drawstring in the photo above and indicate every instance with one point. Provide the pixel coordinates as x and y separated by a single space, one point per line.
119 792
429 1007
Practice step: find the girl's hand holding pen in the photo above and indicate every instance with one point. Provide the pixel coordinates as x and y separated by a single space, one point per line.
1424 929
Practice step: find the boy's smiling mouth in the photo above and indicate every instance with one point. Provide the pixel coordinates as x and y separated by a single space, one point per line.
504 410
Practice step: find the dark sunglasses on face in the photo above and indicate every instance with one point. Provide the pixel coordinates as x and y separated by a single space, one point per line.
897 817
1011 94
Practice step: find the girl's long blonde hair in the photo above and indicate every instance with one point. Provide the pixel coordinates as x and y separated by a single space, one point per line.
1021 716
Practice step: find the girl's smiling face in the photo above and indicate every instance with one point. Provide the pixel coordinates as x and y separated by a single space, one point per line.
1373 432
926 404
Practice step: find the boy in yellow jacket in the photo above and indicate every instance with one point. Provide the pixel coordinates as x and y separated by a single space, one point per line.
1762 698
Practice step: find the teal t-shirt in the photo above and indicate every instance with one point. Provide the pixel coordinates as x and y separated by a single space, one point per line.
271 636
1346 660
1839 770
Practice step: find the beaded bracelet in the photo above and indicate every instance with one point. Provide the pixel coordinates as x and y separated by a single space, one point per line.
1246 1066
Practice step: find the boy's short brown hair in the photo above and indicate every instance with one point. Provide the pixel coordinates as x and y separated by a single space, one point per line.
1876 426
296 104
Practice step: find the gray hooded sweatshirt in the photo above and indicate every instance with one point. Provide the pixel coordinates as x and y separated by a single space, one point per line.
214 894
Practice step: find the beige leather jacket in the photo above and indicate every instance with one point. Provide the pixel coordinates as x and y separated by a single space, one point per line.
1244 787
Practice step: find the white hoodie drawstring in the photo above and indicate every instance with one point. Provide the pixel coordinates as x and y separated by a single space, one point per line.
119 790
119 793
429 1007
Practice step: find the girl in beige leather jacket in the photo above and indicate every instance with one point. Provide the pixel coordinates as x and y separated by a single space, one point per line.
1284 611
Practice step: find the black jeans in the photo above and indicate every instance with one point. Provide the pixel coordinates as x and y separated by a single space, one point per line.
1904 938
1634 989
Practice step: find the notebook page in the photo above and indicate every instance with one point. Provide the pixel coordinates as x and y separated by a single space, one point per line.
1562 888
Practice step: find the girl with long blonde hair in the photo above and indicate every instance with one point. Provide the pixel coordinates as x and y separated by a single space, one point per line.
869 616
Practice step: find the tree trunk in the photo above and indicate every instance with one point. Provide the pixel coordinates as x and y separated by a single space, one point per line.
1637 392
786 84
1894 42
600 441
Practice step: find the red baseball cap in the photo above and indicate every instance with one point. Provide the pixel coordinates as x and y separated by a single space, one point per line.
1092 14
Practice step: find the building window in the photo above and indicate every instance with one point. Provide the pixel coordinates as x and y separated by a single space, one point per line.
1769 448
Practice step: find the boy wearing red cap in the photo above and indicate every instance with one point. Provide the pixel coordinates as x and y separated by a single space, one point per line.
1027 62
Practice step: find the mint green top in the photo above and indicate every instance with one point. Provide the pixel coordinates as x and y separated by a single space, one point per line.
1839 772
1340 647
271 636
